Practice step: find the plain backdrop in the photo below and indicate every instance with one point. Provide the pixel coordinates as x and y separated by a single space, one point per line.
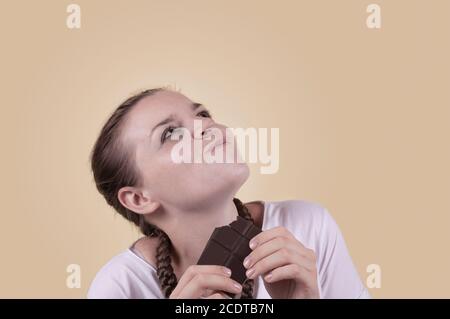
364 119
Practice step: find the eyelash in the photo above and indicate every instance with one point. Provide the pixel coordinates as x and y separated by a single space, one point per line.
164 136
207 114
170 129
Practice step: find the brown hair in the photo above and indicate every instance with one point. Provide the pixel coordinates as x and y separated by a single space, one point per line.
113 168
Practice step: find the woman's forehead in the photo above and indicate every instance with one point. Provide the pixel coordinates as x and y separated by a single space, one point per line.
162 102
153 109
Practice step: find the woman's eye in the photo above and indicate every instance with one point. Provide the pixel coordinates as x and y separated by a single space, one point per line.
204 114
167 133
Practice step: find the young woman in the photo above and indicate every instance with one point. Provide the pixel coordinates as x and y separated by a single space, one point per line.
300 253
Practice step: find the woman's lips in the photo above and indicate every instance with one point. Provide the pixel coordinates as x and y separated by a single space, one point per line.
210 147
219 141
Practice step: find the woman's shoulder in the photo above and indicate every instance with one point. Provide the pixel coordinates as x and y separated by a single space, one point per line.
313 225
301 211
146 247
108 279
307 220
124 276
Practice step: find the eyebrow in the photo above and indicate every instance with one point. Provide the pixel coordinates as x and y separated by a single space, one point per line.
194 106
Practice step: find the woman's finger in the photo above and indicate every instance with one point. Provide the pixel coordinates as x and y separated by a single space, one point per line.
291 271
193 270
280 258
268 248
218 295
197 286
268 234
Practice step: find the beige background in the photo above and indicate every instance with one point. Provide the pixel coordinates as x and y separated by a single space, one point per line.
364 118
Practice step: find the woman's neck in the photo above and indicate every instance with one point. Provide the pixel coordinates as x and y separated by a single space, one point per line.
190 232
188 245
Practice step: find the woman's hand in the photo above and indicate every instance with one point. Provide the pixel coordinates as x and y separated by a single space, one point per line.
288 268
205 281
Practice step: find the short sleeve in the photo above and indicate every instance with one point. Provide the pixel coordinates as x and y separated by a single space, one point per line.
338 277
125 276
105 286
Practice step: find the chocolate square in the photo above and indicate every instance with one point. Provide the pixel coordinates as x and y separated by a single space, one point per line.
228 246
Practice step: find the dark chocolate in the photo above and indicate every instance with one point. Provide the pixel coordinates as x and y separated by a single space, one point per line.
228 246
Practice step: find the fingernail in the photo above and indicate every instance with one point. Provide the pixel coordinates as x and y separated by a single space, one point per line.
237 286
227 271
253 244
250 272
268 277
247 262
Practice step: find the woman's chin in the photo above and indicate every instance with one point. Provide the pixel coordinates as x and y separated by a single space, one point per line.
238 173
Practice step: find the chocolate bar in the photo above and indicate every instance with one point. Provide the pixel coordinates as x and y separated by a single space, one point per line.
228 246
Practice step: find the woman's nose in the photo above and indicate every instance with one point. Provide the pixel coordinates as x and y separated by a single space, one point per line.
206 132
200 129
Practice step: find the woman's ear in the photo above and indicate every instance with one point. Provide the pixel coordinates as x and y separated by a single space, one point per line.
136 200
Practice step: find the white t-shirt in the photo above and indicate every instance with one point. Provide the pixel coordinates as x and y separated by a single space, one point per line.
128 275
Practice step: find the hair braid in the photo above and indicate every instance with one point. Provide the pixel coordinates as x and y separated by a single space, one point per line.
247 287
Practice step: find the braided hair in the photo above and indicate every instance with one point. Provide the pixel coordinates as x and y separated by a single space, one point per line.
112 167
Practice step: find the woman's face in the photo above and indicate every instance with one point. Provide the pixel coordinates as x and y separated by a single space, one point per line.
147 130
